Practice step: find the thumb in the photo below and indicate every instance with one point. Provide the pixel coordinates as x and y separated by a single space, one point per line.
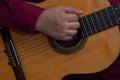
73 10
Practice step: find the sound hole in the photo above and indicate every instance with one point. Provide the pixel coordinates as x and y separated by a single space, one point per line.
68 47
70 43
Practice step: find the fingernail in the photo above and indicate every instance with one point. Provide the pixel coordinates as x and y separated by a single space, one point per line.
81 11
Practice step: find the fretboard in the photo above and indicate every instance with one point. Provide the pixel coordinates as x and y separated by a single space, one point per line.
100 20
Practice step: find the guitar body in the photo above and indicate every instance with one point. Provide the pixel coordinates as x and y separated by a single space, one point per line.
41 62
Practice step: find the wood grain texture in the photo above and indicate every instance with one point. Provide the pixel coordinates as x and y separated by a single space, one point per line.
41 62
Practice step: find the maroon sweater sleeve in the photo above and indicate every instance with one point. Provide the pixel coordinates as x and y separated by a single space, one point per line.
19 15
114 1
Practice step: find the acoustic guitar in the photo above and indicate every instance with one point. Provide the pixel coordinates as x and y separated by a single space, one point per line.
93 49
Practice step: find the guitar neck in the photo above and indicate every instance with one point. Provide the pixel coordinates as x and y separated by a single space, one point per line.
100 20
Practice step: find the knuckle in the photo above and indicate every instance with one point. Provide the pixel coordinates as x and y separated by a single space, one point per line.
64 16
62 38
75 32
78 24
76 17
61 35
64 26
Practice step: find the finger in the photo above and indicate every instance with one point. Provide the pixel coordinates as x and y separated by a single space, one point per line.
72 17
71 33
73 25
73 10
67 38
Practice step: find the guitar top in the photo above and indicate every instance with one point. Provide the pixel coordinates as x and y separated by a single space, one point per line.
42 61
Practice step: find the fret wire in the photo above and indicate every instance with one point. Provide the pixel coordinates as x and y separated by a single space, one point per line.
103 19
93 24
119 10
114 14
89 25
98 21
109 16
106 17
111 13
118 13
84 27
83 35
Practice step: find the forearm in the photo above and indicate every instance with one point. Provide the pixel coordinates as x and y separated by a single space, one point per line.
19 15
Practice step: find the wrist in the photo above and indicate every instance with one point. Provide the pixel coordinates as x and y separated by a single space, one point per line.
40 22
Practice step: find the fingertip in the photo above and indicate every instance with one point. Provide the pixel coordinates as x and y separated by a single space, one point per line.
79 12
